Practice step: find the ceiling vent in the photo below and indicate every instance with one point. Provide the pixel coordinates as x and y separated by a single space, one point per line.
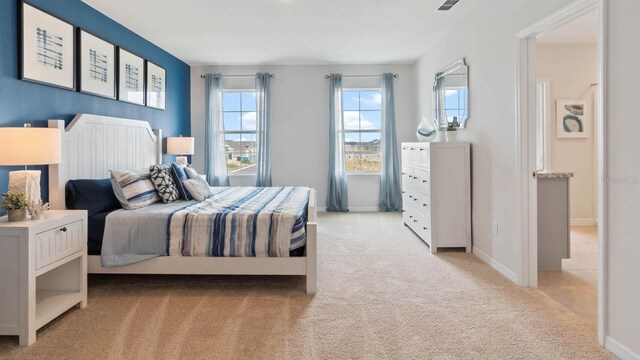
447 5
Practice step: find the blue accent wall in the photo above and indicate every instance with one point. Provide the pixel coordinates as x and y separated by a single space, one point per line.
23 101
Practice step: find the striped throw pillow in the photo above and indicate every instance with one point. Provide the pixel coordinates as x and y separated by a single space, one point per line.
134 188
198 188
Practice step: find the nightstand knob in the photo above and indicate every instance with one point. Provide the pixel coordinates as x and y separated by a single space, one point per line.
64 229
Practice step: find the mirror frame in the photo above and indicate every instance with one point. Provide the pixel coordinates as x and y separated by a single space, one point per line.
460 64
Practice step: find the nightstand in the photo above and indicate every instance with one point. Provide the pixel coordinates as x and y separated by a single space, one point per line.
43 271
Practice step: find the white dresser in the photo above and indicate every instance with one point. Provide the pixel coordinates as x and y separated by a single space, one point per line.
436 190
43 270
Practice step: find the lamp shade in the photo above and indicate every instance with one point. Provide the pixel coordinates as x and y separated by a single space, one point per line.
30 146
180 145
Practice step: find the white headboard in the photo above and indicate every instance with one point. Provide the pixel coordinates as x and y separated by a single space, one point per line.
94 144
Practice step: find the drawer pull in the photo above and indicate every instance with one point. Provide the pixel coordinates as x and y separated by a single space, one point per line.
404 173
63 229
424 181
425 228
415 221
403 192
422 149
410 216
425 205
413 148
410 196
415 199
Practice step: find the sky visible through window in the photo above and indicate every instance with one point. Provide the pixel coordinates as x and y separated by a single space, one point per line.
239 116
362 112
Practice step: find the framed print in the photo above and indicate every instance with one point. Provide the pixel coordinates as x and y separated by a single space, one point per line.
130 77
97 66
48 49
156 86
572 118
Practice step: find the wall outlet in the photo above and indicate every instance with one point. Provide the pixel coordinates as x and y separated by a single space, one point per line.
495 229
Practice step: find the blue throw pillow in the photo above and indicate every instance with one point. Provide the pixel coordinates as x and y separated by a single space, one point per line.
95 196
177 171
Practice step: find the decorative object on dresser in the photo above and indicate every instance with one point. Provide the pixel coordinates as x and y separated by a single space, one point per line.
28 146
43 271
436 190
130 77
16 206
48 49
181 146
37 209
97 65
156 86
427 130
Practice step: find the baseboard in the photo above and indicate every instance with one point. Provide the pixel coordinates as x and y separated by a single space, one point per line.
496 265
620 350
583 222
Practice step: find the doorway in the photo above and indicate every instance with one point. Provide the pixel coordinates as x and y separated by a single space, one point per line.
543 123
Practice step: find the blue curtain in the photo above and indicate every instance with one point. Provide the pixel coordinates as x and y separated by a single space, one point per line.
215 162
390 179
337 196
263 121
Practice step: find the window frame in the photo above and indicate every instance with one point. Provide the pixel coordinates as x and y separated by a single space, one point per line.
380 130
239 132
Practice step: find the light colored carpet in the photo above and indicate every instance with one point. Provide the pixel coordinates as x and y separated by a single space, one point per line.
381 295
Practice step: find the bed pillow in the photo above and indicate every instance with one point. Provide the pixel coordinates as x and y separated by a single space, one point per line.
164 183
198 188
191 173
179 175
134 188
95 196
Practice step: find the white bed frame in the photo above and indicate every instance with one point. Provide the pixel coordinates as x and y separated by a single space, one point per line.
93 144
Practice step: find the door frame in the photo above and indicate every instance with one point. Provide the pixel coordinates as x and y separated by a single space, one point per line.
526 220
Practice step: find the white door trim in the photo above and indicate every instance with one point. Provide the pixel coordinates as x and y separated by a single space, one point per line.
527 262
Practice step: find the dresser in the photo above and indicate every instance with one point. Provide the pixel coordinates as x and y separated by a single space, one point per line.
43 270
436 193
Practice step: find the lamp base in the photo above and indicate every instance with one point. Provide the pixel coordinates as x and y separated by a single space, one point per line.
26 181
182 160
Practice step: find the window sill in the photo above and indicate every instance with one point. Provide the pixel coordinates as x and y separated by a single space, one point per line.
363 174
241 175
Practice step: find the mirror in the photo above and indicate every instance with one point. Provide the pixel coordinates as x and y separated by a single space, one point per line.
451 96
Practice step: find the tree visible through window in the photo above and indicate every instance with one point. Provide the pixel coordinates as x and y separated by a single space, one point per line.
362 111
239 115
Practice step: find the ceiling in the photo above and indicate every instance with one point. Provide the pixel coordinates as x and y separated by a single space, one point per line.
207 32
583 30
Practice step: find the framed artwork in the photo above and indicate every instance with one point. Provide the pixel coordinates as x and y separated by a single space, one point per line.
130 77
573 117
48 49
97 65
156 86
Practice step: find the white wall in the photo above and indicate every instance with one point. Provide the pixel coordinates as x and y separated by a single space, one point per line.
571 70
623 184
487 39
300 124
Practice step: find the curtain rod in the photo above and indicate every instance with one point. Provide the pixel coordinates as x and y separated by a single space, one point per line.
252 75
362 76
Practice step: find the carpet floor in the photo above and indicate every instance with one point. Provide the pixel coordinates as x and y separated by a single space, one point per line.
381 295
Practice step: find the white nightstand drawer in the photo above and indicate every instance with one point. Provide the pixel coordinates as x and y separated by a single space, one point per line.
58 243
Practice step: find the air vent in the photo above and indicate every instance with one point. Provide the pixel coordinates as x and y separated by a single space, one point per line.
447 5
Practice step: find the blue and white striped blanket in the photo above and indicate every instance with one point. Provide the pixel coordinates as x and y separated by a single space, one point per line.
241 221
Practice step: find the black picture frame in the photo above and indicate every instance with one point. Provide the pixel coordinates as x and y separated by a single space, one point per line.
122 81
22 57
79 82
148 95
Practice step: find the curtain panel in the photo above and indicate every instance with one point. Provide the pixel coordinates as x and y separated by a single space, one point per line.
215 162
337 196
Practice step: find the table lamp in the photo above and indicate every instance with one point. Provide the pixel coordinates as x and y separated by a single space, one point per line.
180 146
29 146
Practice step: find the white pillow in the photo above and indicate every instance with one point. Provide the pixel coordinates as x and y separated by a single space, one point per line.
134 188
198 188
191 173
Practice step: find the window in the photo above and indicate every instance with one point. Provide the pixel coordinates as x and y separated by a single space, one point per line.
239 116
362 112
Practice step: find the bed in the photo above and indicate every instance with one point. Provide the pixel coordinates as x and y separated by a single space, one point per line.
94 144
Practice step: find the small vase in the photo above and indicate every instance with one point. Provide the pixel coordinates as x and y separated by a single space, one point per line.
17 215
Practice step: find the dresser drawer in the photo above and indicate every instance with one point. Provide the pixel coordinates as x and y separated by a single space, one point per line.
423 157
58 243
410 154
